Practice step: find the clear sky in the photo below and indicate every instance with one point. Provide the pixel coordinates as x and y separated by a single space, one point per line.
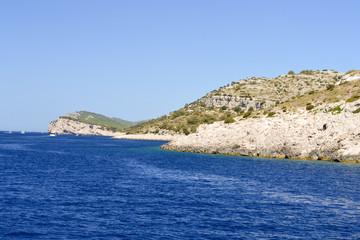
141 59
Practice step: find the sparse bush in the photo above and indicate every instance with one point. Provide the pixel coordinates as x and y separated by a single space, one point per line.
224 108
336 110
291 73
237 109
178 113
307 72
309 106
193 129
251 109
209 119
330 87
357 111
185 131
271 114
247 114
311 92
353 98
193 120
229 120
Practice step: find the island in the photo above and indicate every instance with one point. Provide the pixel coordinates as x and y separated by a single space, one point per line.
307 115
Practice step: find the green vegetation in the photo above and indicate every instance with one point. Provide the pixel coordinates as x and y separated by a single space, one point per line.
307 72
357 111
229 120
107 123
309 106
330 87
336 110
271 114
353 98
247 114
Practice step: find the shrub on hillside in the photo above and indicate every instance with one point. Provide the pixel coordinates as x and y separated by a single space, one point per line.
309 106
353 98
307 72
357 111
237 109
229 120
178 113
330 87
193 120
271 114
185 131
209 119
247 114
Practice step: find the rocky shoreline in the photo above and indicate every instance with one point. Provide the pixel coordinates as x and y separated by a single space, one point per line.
314 135
303 135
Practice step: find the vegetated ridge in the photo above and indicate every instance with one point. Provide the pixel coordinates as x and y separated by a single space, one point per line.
87 123
310 115
254 97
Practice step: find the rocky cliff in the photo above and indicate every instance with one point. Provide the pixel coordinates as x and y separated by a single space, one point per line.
232 102
88 123
302 135
318 124
68 126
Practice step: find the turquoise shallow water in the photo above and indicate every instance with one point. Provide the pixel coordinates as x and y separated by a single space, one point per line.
72 187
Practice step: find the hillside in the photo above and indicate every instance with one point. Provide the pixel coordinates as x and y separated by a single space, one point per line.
255 97
88 123
108 123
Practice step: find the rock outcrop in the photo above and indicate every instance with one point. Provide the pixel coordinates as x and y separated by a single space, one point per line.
300 135
67 126
232 102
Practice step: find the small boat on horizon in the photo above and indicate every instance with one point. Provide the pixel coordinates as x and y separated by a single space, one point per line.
52 134
22 132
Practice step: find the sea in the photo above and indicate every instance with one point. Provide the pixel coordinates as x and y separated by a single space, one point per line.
94 187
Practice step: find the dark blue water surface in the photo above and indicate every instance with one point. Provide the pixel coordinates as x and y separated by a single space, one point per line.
84 187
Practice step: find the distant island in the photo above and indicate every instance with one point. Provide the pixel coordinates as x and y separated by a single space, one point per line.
307 115
88 123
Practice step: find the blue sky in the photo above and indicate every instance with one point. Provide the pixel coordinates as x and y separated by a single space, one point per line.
138 60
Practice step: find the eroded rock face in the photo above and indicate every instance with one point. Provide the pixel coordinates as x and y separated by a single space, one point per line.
302 135
67 126
232 102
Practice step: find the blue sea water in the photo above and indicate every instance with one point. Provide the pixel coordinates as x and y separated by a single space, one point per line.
86 187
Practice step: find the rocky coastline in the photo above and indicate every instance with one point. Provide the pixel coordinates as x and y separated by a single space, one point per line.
68 126
301 135
314 115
